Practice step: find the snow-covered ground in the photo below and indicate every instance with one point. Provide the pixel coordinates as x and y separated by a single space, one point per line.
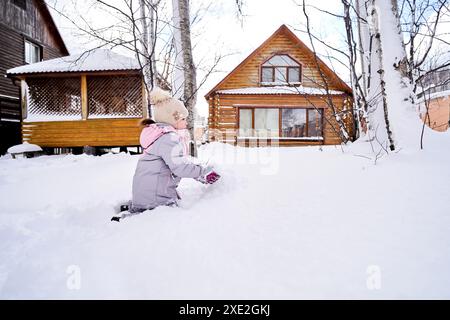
282 223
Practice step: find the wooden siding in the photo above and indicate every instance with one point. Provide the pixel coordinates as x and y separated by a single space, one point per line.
9 108
11 55
283 41
95 132
16 25
35 22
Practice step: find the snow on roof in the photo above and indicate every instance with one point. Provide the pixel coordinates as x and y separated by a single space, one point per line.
280 90
95 60
434 95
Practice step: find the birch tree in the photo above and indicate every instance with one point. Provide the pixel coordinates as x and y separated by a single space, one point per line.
393 118
148 10
184 83
383 77
424 29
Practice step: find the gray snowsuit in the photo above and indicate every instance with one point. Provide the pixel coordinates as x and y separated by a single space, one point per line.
160 169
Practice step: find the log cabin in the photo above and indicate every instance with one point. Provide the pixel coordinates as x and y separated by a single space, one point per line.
28 34
282 94
95 99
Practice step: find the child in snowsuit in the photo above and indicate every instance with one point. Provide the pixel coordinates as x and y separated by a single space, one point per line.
165 158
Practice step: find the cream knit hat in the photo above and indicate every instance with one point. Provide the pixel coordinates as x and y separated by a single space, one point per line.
167 109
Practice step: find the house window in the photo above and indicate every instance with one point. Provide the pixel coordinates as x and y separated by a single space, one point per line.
267 74
32 52
295 122
266 122
294 74
299 123
280 69
21 4
314 123
259 122
245 122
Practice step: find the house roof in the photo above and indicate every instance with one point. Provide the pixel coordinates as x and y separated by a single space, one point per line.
280 90
43 8
283 29
94 60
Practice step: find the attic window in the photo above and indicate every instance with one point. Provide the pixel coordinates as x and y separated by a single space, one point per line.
280 69
21 4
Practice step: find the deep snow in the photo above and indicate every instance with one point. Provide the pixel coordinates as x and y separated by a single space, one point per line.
290 223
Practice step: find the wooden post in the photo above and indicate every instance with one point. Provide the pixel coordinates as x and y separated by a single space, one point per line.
84 98
23 99
144 101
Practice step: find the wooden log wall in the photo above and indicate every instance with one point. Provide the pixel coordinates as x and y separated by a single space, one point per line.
16 25
249 74
223 116
33 21
94 132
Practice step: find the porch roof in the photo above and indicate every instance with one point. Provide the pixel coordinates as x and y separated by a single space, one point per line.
300 90
89 61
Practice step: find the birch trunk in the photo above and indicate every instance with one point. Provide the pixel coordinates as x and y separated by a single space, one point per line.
371 65
152 41
178 69
359 90
393 120
362 45
146 57
404 118
184 82
381 72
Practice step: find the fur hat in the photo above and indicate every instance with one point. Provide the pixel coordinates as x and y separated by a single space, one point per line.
166 108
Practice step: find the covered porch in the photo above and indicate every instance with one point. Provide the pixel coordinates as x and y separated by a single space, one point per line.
91 99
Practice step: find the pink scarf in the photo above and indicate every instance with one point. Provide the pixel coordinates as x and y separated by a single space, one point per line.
152 132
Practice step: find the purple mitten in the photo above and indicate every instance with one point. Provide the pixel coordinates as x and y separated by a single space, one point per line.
211 177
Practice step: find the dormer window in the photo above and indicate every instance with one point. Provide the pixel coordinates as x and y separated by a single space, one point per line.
281 69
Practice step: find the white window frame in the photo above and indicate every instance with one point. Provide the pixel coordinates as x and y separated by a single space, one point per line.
30 54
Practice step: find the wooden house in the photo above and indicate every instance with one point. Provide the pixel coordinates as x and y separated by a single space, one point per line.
281 93
91 99
28 34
